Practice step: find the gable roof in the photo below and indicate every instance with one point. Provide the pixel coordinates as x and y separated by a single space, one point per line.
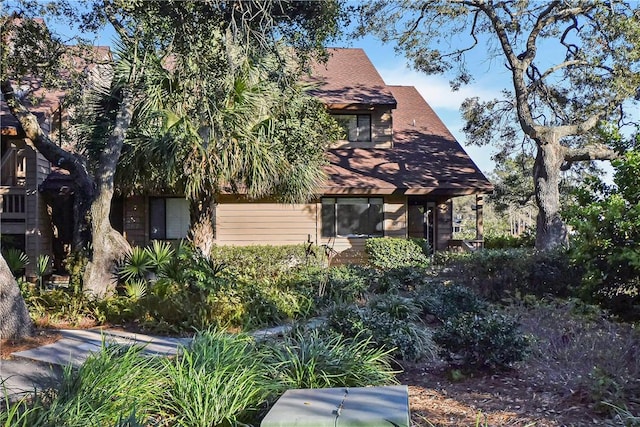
425 157
349 79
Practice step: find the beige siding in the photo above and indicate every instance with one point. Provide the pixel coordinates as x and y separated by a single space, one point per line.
265 223
395 216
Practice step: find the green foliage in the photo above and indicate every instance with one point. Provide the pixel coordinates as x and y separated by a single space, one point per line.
43 263
135 265
347 283
507 241
498 274
75 265
382 321
479 340
606 243
106 389
221 379
388 253
447 301
309 359
16 260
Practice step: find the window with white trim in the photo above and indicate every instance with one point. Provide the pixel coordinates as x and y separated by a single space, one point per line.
352 216
168 218
356 126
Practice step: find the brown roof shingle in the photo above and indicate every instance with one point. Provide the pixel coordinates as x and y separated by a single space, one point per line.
425 157
349 79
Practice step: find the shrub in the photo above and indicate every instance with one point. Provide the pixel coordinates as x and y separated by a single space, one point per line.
108 387
16 261
263 261
347 283
482 340
508 241
596 357
399 279
446 301
386 253
383 322
308 359
497 274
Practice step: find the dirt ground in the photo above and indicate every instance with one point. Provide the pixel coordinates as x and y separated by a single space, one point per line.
499 399
502 399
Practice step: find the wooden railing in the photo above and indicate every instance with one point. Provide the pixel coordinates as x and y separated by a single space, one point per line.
12 203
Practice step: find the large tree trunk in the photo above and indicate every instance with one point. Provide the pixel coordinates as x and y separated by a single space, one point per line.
14 316
202 231
551 231
108 245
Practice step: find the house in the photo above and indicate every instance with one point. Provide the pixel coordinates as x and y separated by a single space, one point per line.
36 198
393 176
25 222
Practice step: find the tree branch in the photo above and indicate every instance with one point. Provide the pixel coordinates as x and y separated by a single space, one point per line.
42 142
589 152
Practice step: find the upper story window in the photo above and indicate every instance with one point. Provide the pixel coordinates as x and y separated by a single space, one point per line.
352 216
356 126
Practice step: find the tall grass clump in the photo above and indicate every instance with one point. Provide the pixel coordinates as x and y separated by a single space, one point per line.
309 359
221 379
106 389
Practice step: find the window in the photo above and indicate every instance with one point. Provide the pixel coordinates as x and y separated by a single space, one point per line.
356 126
352 217
168 218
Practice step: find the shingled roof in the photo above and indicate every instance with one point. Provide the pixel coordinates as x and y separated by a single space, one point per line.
425 157
349 79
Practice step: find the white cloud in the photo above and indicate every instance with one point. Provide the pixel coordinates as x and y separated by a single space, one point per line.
436 89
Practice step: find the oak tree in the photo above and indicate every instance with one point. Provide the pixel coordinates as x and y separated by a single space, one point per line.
572 65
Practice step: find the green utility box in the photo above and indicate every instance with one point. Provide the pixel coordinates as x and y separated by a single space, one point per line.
343 407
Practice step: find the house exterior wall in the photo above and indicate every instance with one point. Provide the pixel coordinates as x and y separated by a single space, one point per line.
38 231
134 226
381 128
241 222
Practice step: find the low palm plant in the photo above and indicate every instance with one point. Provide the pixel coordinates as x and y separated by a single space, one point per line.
42 267
16 260
136 265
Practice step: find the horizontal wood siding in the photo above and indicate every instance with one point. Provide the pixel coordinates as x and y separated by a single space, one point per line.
244 223
395 216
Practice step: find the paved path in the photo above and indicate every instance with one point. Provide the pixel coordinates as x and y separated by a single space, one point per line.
42 367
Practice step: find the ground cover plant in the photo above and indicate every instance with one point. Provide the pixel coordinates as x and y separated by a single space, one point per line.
221 379
458 352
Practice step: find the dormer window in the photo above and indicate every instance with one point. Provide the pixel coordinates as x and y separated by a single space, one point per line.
357 127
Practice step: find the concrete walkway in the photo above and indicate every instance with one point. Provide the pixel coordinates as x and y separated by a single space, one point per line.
42 367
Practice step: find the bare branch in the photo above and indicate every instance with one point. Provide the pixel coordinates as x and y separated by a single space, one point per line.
587 153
